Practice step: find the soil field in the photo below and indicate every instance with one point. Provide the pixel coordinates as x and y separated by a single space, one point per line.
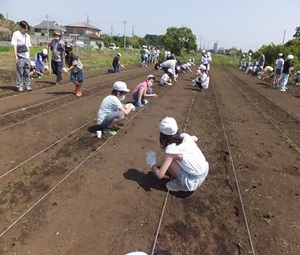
64 191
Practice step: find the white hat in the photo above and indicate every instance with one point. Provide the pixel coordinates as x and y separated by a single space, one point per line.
119 54
290 57
120 86
280 55
208 53
189 64
202 67
150 76
203 51
170 71
45 51
168 126
250 54
32 63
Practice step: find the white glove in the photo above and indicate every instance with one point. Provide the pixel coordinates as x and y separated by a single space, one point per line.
122 66
65 70
130 106
46 68
151 158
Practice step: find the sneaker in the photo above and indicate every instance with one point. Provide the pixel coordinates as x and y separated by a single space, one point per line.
28 88
109 131
79 93
21 89
145 101
139 104
176 186
76 89
40 76
282 89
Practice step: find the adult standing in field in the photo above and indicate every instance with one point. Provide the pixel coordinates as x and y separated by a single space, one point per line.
57 48
182 158
286 72
278 69
203 60
261 60
21 43
116 63
209 60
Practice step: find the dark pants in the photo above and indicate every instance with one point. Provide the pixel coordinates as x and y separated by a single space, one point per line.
57 69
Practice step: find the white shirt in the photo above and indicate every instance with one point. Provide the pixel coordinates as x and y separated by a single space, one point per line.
165 78
109 104
193 160
21 39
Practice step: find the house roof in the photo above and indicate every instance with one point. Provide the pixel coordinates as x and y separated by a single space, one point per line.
94 37
53 25
83 25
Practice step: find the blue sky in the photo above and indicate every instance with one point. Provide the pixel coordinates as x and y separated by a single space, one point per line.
233 23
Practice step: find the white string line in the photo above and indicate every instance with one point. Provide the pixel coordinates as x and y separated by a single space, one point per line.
167 194
234 173
45 149
62 180
53 109
292 115
41 114
276 126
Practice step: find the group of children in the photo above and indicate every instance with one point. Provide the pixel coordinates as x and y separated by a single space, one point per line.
181 157
279 74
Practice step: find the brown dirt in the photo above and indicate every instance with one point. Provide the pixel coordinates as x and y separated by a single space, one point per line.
63 191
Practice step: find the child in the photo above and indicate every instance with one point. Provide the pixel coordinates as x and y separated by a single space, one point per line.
143 90
41 62
166 79
111 110
202 81
32 70
186 67
181 157
296 78
75 66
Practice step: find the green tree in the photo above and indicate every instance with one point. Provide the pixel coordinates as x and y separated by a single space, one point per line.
179 39
297 34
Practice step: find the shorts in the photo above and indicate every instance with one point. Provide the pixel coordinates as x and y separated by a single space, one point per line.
77 76
279 71
192 182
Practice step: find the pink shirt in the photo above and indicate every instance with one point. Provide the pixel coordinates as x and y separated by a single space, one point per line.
142 84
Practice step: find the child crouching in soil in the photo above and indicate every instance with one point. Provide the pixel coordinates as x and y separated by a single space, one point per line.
76 68
182 158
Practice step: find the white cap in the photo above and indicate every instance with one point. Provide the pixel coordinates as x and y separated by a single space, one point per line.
45 51
32 63
290 57
250 54
208 53
119 54
203 51
202 67
280 55
120 86
170 71
168 126
150 76
189 64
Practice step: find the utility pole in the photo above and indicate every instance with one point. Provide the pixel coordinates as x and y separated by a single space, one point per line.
111 31
201 42
47 16
283 36
124 33
87 20
132 31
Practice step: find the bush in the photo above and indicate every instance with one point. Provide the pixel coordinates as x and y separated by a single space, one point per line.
5 34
